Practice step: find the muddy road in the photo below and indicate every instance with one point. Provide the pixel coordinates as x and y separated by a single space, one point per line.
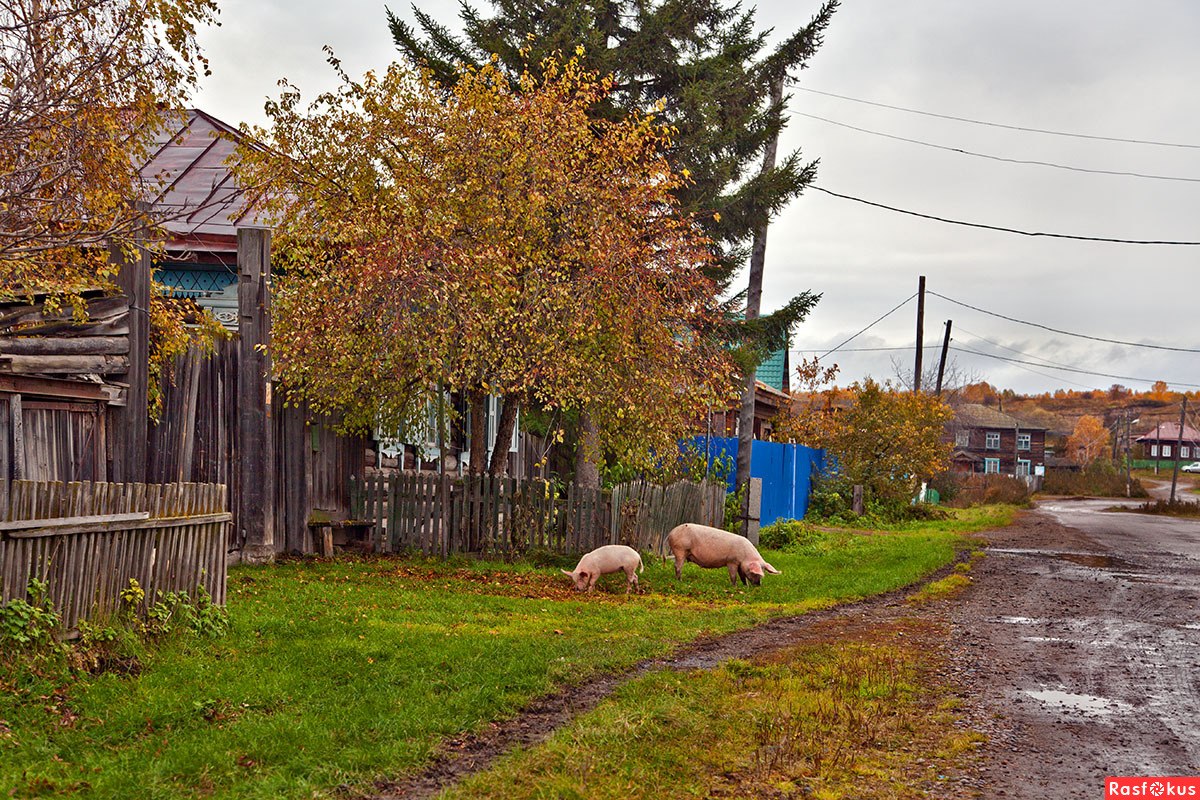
1080 640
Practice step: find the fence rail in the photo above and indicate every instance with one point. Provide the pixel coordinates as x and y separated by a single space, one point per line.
87 540
507 517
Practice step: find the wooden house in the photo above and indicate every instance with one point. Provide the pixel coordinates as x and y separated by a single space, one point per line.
1164 443
990 442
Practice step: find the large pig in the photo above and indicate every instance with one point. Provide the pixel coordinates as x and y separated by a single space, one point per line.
603 560
712 548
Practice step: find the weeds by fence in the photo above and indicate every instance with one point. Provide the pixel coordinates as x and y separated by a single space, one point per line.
87 540
505 517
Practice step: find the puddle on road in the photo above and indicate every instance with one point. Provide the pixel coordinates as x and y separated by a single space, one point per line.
1019 620
1094 560
1085 704
1045 639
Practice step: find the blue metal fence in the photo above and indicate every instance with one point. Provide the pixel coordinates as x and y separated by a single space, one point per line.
786 471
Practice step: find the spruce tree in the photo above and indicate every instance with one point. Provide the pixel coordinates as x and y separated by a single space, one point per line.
702 66
703 61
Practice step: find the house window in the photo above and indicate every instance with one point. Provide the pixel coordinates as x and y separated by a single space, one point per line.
991 466
1185 452
1154 450
993 441
962 439
1022 467
1166 451
1024 441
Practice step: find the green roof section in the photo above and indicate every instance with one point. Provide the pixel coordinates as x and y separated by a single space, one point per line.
773 371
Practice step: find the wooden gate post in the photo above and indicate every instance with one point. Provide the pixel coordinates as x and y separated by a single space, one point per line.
256 451
753 510
130 430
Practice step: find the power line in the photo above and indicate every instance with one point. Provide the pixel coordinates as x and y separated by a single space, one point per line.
1004 159
1047 365
1001 228
1071 369
872 325
1065 333
1046 131
1047 362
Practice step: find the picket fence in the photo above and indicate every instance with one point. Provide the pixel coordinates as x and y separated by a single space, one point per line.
87 540
506 517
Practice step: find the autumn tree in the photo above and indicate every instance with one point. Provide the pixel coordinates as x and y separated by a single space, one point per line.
708 73
491 238
84 89
810 417
1090 440
889 440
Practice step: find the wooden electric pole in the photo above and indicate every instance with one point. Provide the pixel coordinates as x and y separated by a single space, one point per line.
920 333
942 360
1178 446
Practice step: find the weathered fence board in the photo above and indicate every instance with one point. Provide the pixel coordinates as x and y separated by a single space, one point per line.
507 517
644 513
87 540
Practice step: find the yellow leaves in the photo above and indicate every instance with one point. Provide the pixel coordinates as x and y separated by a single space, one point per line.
505 244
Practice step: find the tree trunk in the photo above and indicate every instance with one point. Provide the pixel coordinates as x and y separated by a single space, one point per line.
504 430
587 454
478 407
758 256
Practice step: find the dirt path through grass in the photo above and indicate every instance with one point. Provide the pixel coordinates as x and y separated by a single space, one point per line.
463 756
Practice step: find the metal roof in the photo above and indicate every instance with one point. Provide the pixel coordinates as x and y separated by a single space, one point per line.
200 201
773 371
1169 432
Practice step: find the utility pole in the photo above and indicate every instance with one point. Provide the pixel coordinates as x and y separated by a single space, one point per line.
1128 435
942 360
1178 446
920 333
758 257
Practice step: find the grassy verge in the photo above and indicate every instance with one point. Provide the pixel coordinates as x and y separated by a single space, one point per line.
857 712
337 673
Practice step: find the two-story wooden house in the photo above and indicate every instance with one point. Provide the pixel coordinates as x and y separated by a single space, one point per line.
990 442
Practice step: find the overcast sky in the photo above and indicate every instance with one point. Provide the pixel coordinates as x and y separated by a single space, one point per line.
1098 67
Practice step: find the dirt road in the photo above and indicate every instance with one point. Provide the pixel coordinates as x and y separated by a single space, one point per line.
1081 639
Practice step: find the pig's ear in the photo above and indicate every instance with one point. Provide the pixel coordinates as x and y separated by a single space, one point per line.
568 574
771 569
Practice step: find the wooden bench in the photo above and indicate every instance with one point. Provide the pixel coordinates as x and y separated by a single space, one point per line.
341 534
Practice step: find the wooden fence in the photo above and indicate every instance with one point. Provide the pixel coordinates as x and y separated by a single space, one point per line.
644 513
86 540
506 517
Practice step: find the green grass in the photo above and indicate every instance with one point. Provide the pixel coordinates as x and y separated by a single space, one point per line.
342 672
846 714
960 520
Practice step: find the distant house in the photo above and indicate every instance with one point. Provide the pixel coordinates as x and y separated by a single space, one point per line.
1162 442
990 442
202 207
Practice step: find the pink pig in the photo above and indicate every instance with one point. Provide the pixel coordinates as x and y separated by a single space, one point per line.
713 548
603 560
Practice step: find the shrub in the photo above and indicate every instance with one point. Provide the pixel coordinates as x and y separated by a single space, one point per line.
1100 479
29 624
799 535
988 489
1180 508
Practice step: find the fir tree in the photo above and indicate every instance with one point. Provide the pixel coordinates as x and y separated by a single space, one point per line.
711 72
